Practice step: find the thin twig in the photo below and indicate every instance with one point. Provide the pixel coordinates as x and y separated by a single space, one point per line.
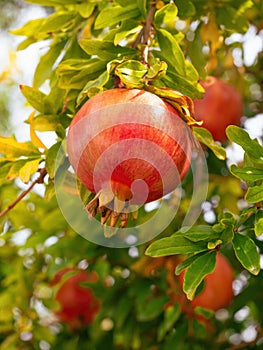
147 34
148 24
39 180
144 35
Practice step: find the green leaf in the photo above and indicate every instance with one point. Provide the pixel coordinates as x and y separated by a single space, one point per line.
171 315
241 137
25 43
51 159
171 50
4 170
51 2
75 65
97 83
74 73
142 6
196 272
150 309
105 50
85 9
213 244
13 149
49 190
56 98
195 47
227 234
36 99
131 73
246 214
198 233
187 262
45 122
186 9
166 14
58 21
204 136
184 85
192 74
29 28
254 194
247 253
176 244
110 16
232 19
84 193
123 309
13 172
259 227
156 70
46 62
206 313
124 34
248 174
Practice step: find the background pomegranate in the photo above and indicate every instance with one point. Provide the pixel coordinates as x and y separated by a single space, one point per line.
220 107
217 292
78 305
128 144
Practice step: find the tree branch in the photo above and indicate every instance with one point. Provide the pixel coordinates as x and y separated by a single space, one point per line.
39 180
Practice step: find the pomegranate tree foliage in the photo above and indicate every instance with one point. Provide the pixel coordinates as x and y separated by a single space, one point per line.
89 46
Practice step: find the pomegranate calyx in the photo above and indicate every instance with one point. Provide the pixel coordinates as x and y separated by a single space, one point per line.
110 207
181 103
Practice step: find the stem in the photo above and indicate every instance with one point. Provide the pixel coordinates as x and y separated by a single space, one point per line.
39 180
144 35
147 33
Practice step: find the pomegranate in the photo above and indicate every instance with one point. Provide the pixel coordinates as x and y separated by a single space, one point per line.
78 305
128 146
221 106
216 294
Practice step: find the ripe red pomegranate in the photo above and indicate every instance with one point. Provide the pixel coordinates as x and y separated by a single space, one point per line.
129 147
78 305
217 292
221 106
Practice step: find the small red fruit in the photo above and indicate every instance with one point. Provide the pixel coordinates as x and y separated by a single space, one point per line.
129 147
78 305
220 107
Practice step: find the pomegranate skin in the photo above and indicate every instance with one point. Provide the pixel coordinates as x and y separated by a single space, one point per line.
78 305
131 142
220 107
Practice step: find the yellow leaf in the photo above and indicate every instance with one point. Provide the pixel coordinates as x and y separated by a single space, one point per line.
28 169
211 34
10 148
34 138
23 168
15 167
